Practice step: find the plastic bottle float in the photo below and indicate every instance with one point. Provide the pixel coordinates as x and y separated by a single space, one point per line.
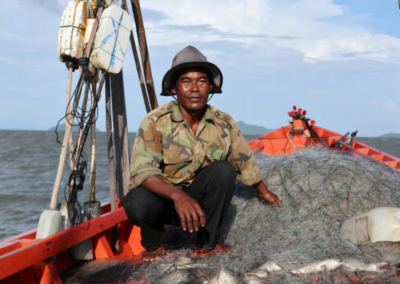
72 31
111 40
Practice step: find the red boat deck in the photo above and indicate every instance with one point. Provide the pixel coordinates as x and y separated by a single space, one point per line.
23 259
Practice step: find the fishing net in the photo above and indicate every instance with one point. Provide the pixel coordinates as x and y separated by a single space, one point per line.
320 188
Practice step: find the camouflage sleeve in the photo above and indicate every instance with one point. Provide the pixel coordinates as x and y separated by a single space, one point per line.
146 154
242 159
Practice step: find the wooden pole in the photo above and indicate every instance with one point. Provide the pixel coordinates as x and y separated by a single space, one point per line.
139 69
120 134
93 154
79 151
67 114
110 146
68 126
68 122
84 102
137 13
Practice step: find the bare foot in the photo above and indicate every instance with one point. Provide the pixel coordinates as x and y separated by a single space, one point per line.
222 248
154 254
219 249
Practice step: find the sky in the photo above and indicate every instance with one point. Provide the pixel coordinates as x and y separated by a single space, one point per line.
338 59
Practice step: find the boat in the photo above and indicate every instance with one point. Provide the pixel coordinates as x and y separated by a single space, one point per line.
115 241
24 259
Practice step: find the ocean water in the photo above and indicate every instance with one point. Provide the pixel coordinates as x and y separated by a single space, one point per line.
28 166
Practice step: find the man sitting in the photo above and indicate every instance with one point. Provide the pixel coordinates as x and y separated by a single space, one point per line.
186 158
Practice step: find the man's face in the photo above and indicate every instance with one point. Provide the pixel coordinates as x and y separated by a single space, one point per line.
192 89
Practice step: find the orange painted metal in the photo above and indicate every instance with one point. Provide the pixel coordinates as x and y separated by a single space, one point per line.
101 247
39 250
47 272
282 142
26 260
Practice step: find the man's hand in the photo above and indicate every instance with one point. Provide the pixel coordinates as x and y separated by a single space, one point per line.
189 211
272 198
269 196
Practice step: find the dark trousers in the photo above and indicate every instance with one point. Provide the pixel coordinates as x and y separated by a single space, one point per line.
212 189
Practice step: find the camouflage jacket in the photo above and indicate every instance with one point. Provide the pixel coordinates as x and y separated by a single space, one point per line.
166 146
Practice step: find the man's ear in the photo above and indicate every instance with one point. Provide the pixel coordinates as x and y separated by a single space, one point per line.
173 89
211 87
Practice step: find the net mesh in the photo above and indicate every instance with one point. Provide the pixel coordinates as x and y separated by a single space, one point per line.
319 188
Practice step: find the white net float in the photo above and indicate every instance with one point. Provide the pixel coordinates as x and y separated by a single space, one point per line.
377 225
111 40
72 31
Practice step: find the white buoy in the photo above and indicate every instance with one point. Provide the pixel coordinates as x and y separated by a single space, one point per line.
82 251
378 225
111 40
49 224
72 31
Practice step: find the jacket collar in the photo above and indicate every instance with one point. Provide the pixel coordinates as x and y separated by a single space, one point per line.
178 117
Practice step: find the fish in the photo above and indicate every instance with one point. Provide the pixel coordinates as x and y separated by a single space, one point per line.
262 271
325 265
353 264
223 277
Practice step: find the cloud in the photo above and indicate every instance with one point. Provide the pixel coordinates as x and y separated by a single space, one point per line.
50 5
153 15
390 105
304 26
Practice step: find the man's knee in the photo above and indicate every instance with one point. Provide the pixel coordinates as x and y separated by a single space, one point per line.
138 203
223 170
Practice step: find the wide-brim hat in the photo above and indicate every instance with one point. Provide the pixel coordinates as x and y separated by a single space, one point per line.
191 57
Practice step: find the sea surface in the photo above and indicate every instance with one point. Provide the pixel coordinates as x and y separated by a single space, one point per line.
28 166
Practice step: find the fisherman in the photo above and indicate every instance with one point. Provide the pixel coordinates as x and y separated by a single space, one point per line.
186 158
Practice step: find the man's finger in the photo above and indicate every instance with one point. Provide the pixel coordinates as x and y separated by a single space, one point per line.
280 203
201 215
183 222
189 222
195 219
275 205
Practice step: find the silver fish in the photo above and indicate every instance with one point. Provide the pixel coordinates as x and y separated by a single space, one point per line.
258 275
325 265
223 277
353 264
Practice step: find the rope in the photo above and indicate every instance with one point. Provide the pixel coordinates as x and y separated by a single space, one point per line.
71 64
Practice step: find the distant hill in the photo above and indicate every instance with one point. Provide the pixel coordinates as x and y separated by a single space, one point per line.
61 128
391 135
248 129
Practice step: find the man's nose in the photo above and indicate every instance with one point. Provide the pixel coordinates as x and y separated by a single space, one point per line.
194 87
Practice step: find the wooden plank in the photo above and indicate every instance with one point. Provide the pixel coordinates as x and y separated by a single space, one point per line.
120 134
40 250
110 145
